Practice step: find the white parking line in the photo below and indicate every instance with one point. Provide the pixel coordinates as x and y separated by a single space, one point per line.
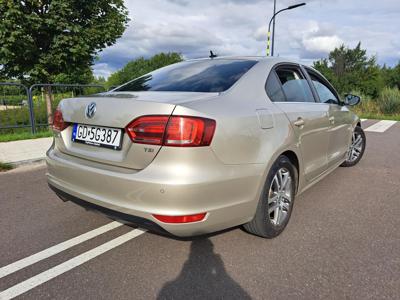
27 261
45 276
381 126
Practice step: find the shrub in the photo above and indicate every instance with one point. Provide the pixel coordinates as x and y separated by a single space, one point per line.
389 101
367 104
20 116
17 114
5 167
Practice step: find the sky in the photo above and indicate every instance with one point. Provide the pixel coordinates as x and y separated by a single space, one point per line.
239 27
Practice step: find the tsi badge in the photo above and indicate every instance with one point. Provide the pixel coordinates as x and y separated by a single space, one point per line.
90 110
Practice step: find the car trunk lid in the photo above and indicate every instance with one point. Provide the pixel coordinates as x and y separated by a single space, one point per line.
117 110
114 112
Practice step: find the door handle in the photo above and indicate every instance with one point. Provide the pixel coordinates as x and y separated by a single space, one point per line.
332 120
299 122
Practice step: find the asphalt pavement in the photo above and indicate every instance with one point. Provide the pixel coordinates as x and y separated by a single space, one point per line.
342 242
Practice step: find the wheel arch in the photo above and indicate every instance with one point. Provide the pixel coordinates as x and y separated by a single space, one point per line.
292 156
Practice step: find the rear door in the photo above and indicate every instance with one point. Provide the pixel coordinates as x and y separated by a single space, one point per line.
339 118
308 118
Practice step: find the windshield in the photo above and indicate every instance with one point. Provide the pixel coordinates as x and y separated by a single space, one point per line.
192 76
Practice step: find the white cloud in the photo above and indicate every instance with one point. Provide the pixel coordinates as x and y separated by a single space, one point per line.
261 33
314 39
321 44
102 69
239 27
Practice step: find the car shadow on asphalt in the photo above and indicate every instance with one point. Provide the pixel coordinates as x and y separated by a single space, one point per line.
203 276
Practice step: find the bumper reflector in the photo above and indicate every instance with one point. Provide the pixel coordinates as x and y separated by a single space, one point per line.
181 219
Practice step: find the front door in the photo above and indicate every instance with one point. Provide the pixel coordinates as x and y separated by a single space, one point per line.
339 118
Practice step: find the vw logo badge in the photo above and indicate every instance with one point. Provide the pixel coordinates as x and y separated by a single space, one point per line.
90 110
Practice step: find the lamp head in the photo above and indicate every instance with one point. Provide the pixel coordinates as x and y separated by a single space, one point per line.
296 5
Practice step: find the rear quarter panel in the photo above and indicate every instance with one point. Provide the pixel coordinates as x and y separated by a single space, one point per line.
250 128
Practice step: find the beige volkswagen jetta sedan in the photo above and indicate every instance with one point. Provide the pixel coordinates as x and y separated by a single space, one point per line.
204 145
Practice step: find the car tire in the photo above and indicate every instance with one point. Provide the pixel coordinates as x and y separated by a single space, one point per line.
266 222
355 148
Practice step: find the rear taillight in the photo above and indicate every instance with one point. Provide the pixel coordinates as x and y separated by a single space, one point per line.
176 131
58 121
189 132
147 130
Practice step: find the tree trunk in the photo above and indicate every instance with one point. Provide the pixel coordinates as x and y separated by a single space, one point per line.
48 95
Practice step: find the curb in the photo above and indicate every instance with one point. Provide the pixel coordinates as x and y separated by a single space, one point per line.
27 162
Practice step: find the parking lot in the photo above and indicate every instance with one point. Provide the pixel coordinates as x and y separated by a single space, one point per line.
342 242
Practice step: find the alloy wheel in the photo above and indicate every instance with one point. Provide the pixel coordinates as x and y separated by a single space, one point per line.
356 146
280 197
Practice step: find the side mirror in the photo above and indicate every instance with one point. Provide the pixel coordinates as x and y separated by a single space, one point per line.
351 100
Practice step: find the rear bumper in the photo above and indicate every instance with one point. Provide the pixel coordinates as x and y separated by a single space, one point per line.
184 183
115 215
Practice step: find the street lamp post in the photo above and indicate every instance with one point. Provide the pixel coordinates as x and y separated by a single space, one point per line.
273 27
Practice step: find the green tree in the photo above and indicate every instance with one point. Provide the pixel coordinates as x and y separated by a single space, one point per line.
99 80
51 40
391 76
351 69
141 66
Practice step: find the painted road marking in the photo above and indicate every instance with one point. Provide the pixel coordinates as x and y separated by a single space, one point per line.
45 276
27 261
381 126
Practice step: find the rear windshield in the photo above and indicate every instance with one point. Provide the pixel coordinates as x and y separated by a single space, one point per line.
192 76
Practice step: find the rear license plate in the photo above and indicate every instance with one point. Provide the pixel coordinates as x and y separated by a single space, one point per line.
97 136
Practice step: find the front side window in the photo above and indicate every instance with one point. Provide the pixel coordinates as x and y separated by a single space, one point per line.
294 85
215 75
324 92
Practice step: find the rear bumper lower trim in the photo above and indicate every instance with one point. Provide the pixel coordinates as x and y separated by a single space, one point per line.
115 215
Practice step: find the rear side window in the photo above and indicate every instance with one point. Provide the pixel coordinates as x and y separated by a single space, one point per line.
215 75
274 89
294 85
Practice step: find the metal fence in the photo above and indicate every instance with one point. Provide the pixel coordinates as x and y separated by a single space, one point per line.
23 108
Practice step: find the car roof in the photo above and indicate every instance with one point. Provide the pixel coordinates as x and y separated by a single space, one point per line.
266 59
